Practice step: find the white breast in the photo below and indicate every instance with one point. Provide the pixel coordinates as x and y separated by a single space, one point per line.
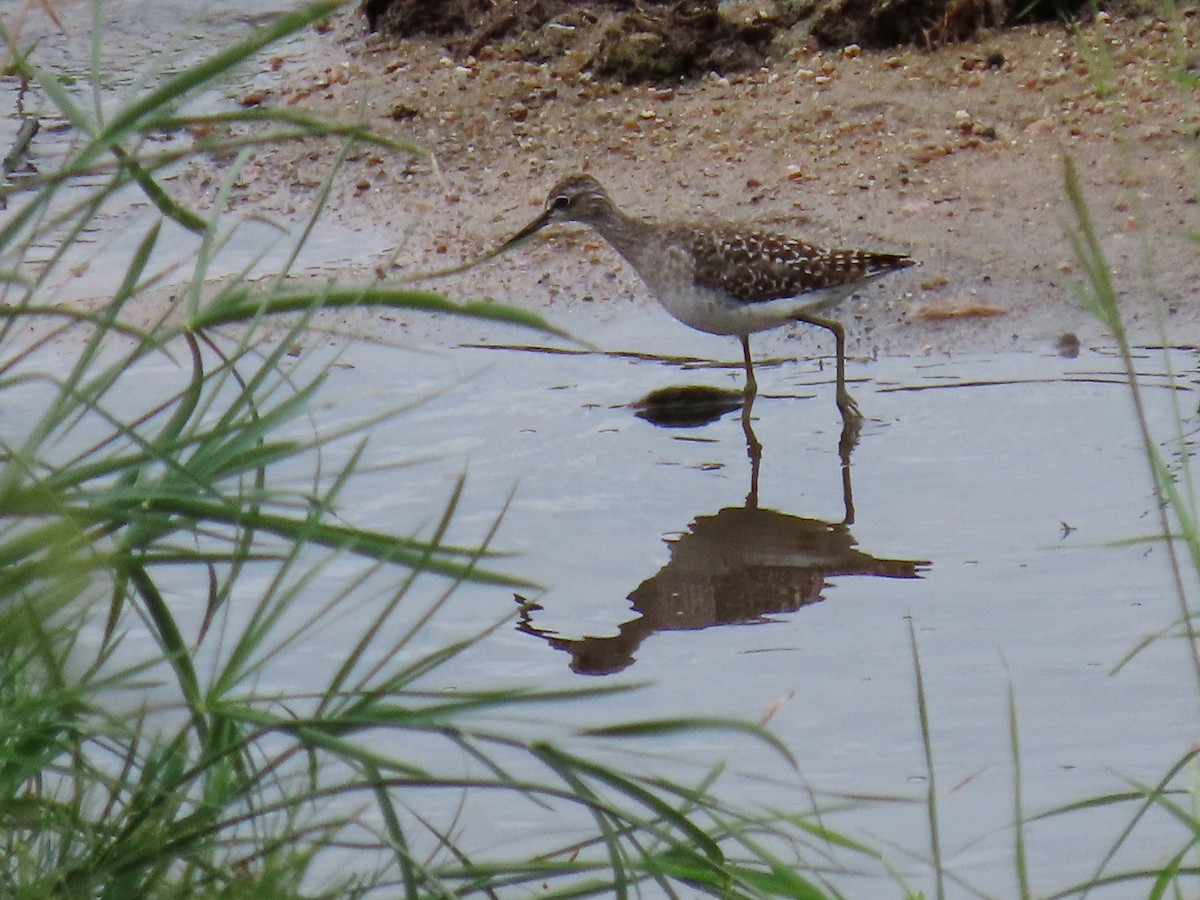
711 310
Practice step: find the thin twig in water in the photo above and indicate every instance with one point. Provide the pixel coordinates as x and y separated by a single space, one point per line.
16 156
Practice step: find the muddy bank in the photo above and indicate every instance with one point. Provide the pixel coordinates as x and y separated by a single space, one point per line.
954 156
664 40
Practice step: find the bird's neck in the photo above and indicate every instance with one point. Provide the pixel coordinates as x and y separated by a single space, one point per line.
629 236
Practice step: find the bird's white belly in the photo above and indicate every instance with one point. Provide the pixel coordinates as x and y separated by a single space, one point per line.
716 313
671 278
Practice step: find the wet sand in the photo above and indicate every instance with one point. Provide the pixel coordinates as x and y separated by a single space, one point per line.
931 153
954 156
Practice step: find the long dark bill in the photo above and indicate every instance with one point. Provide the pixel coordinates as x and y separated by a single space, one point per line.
533 227
528 231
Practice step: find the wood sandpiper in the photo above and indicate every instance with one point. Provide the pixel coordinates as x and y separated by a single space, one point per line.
723 278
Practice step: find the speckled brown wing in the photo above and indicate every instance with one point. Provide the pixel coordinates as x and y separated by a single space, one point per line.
762 266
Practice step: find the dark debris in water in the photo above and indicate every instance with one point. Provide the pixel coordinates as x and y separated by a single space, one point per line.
687 406
1068 345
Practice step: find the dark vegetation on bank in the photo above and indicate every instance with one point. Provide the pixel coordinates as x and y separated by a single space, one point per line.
664 40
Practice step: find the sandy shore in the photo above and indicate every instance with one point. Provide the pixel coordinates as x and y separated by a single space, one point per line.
954 156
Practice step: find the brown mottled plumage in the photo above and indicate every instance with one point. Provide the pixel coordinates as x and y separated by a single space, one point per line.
757 266
722 278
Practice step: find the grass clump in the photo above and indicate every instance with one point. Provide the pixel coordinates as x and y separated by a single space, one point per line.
1179 535
1123 864
171 530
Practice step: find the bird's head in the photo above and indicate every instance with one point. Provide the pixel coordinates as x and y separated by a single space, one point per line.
577 198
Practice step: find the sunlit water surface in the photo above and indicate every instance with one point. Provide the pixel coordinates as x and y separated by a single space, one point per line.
987 507
1018 479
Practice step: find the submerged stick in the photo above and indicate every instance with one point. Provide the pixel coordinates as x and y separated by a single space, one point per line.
16 156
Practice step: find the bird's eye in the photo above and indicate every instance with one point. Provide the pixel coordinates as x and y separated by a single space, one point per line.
560 203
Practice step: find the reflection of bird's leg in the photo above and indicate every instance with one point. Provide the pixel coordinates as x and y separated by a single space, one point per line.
847 496
846 444
751 384
753 450
845 402
753 447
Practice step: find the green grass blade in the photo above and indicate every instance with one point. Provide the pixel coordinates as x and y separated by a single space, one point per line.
243 307
1019 861
176 86
935 842
666 727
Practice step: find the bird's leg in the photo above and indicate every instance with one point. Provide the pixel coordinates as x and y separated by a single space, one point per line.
751 385
845 402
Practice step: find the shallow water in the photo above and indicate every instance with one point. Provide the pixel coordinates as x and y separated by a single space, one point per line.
143 43
1002 482
986 505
